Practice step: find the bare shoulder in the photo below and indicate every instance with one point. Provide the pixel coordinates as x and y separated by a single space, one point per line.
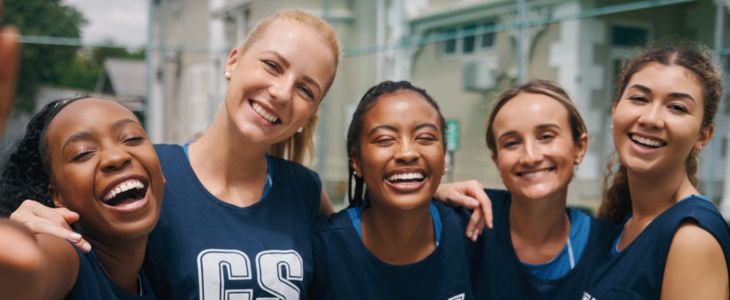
695 264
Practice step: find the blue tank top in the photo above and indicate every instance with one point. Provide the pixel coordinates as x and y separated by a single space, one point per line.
637 271
205 248
93 283
345 268
502 275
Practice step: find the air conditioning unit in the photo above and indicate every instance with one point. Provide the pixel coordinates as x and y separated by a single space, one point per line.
479 75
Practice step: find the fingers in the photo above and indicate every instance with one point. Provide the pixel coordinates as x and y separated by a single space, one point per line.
475 226
54 221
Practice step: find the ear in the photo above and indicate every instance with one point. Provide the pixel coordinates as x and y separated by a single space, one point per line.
55 196
356 164
705 136
494 158
232 61
581 147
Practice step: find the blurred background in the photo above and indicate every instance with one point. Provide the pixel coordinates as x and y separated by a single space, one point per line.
164 60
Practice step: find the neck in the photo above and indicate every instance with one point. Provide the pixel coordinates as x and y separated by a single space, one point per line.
122 260
229 166
398 237
539 228
653 194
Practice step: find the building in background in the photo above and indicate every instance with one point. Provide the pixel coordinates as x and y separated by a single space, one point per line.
462 51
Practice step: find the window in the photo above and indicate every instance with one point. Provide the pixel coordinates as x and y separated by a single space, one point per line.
628 36
467 39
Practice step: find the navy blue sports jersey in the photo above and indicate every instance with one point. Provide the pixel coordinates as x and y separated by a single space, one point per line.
501 275
637 271
345 268
93 283
204 248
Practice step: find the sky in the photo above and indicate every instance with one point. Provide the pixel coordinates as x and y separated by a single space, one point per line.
123 21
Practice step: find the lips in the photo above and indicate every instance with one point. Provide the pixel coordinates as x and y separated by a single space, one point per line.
532 174
126 193
648 142
406 180
265 113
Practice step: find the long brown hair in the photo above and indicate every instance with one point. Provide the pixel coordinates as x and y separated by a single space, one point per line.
700 61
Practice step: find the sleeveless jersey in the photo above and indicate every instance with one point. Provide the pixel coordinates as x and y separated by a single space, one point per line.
204 248
346 269
637 271
93 283
502 275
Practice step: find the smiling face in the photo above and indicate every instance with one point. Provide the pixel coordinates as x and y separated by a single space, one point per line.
535 156
278 82
658 120
103 167
401 151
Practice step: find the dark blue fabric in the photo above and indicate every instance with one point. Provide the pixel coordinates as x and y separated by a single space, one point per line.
637 272
93 283
501 275
345 269
203 247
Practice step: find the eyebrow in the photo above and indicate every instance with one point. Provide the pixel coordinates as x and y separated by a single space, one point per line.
86 135
286 64
392 128
673 95
539 127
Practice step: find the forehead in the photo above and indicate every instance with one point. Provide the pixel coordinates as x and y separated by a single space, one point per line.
86 114
540 108
668 79
401 106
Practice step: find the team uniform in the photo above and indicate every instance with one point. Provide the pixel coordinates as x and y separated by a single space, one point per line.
501 275
637 271
93 283
205 248
345 268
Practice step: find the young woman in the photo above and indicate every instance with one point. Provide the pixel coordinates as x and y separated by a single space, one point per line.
236 210
674 244
394 242
538 248
92 156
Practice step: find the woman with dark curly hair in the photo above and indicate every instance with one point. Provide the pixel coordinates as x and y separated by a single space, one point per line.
674 244
92 156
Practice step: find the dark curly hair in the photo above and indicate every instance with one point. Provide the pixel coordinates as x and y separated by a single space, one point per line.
353 133
701 63
25 174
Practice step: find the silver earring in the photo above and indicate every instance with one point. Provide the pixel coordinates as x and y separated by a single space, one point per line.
227 75
300 129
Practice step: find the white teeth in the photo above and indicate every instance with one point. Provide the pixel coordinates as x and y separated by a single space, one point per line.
123 187
646 141
263 113
406 176
534 174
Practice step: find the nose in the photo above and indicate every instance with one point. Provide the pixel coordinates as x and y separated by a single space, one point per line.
532 153
114 159
281 90
652 116
405 153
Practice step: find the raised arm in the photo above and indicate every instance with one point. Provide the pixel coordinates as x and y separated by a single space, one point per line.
469 194
34 267
696 267
54 221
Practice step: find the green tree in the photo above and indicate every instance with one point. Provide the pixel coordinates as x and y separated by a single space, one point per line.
42 64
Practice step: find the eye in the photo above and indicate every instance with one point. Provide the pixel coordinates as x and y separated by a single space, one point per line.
82 156
384 140
677 108
510 144
638 99
304 89
546 137
272 65
133 140
426 137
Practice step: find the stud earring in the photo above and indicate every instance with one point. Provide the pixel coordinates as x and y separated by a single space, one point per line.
227 75
300 129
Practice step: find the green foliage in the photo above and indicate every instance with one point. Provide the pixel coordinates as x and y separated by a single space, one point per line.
42 64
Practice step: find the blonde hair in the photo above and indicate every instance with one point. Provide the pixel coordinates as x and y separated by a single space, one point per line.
301 144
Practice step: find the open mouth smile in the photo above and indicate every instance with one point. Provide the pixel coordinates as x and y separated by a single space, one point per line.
647 142
265 114
406 181
126 193
536 173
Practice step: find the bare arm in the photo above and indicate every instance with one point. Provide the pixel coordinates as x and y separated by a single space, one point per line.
325 205
54 221
8 70
34 267
695 266
469 194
